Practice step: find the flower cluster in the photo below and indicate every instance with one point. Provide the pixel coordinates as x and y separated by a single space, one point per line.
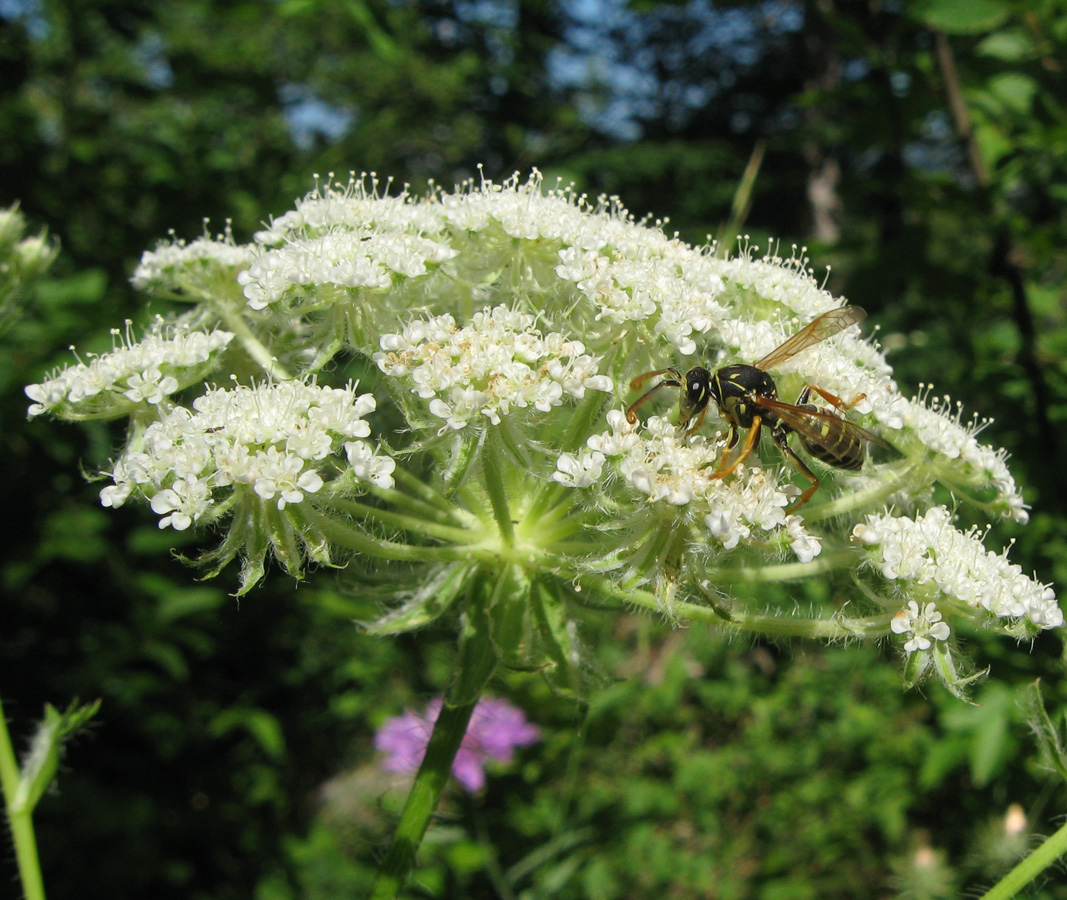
23 260
496 363
496 729
346 259
493 330
930 551
270 439
191 268
136 372
665 467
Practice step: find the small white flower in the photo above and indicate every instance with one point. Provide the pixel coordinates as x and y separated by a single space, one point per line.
924 626
273 473
805 544
182 503
150 386
115 495
579 471
370 466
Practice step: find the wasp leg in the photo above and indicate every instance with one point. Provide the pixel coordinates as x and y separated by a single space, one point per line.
750 443
799 465
699 420
674 381
832 399
731 442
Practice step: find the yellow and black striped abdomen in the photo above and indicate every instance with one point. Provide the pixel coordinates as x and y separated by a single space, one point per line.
832 442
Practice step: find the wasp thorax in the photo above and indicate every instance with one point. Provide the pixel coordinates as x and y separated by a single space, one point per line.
733 389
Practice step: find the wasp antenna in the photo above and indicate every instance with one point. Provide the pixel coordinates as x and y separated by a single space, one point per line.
674 380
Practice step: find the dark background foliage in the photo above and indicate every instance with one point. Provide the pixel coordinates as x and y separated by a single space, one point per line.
920 149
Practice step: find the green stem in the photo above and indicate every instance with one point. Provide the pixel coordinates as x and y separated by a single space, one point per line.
408 523
361 542
775 626
901 478
1033 865
423 491
475 663
448 732
417 506
820 565
492 466
20 819
253 346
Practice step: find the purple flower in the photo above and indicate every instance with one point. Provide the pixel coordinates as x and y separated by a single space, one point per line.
496 729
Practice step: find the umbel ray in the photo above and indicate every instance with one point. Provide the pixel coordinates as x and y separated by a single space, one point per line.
747 397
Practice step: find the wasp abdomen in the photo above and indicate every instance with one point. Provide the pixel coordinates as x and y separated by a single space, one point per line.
835 446
846 453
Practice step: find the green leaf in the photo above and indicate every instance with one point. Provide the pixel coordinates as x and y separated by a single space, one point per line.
41 762
1014 90
1051 737
428 603
962 16
260 724
1010 46
175 604
992 736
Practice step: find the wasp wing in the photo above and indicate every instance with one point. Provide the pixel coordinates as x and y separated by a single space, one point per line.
809 423
817 330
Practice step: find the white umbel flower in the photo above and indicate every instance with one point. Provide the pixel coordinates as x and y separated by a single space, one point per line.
499 321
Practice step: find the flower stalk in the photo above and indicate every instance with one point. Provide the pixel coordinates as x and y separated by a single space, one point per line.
422 800
19 818
23 786
1030 867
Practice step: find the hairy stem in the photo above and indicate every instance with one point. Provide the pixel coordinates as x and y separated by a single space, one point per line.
20 820
1033 865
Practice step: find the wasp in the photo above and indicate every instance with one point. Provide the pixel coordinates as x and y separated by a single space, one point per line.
747 397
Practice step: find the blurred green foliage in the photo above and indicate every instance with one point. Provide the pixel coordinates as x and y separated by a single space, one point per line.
233 753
